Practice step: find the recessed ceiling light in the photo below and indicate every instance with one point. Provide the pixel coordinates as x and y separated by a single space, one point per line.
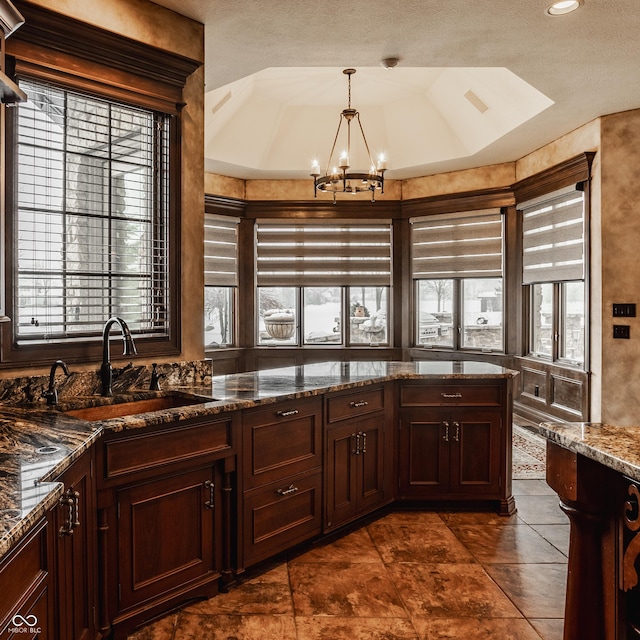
563 7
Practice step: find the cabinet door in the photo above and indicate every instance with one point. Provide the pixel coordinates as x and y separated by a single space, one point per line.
166 535
355 469
371 462
27 601
475 452
342 483
423 453
75 530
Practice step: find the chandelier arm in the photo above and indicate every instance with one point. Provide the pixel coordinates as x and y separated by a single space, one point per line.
333 147
366 144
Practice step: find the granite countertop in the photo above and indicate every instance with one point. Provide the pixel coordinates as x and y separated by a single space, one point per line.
38 443
615 447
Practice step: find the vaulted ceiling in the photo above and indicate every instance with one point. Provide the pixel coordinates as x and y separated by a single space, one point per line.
477 83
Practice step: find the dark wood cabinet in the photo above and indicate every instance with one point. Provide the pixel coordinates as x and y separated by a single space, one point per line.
168 536
358 454
455 443
75 534
165 518
282 477
27 605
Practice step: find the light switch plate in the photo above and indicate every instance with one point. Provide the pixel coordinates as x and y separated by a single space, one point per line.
624 310
621 331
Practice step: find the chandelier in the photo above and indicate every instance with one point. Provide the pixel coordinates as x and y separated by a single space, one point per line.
340 179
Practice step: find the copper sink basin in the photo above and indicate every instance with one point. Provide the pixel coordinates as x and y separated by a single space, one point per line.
133 407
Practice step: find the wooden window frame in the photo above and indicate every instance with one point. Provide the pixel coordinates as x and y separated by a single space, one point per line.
55 48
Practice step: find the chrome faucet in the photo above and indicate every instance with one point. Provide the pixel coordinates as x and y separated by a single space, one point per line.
51 394
106 370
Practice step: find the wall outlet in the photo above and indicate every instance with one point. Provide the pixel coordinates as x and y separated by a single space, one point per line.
621 331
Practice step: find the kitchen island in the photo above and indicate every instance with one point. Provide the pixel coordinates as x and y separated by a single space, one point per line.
255 462
595 469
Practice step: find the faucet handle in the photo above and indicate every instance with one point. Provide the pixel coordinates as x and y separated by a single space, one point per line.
154 385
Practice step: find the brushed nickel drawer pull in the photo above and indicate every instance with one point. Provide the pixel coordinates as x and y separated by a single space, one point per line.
364 442
361 403
287 492
451 395
456 435
445 437
286 414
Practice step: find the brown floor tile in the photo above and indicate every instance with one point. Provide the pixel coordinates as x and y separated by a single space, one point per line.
556 534
328 628
268 594
450 591
490 544
532 488
159 630
464 518
417 543
343 589
538 590
549 629
411 517
222 627
541 510
354 547
474 629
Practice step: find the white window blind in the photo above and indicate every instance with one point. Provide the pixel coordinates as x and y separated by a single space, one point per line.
457 245
220 250
323 253
91 221
553 237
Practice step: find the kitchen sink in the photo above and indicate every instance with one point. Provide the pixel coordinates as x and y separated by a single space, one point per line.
117 407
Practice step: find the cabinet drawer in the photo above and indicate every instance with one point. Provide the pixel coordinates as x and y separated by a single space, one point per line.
281 514
284 440
24 571
360 402
153 449
459 395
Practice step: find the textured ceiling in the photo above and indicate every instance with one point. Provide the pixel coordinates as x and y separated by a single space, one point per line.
586 64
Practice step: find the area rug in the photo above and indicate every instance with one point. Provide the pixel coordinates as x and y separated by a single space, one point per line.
529 454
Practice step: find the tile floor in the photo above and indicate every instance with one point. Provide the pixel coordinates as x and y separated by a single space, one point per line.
405 576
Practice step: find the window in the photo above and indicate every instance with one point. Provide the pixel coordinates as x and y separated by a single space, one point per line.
323 283
91 217
457 273
553 270
220 279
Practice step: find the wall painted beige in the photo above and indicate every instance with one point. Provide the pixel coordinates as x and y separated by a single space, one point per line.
620 265
492 176
302 190
147 22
